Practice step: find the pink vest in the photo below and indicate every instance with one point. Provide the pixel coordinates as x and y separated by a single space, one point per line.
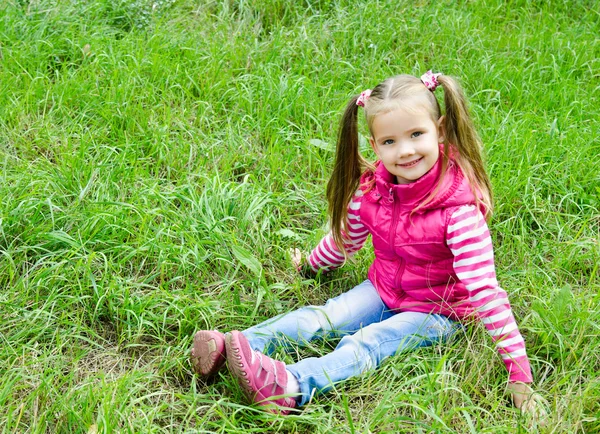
413 265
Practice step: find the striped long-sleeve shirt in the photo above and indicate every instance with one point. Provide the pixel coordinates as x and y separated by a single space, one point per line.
326 255
469 240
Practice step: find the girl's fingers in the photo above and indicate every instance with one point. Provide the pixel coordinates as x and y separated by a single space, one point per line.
296 255
535 406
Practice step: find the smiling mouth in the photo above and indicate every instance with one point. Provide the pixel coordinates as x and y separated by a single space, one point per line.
410 164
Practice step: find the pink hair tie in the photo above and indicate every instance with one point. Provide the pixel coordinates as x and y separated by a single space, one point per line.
429 79
362 99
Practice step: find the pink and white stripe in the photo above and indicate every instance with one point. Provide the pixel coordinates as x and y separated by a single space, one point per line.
469 240
326 255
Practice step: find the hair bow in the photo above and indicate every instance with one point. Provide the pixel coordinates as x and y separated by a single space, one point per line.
429 79
362 99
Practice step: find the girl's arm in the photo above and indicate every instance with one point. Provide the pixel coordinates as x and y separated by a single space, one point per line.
326 256
469 240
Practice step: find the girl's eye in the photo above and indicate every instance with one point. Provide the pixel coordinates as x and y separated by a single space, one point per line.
388 141
416 134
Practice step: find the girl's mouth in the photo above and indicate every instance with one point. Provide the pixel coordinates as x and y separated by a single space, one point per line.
410 164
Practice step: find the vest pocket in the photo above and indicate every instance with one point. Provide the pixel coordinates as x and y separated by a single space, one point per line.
423 253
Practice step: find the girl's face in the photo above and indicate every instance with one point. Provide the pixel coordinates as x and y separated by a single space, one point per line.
406 142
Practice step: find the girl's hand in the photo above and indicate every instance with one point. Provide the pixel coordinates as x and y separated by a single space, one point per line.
296 255
300 264
526 400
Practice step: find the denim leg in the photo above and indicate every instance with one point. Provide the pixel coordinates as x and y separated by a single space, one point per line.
344 314
366 349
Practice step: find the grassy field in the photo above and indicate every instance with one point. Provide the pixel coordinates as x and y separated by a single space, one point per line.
159 158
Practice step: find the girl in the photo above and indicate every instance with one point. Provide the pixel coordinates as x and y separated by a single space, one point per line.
424 203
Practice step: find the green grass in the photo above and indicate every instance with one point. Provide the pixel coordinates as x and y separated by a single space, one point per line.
158 163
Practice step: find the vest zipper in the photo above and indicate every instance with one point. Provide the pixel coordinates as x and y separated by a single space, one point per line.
394 218
398 277
393 228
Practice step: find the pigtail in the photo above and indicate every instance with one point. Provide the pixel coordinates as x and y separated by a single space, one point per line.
460 133
347 171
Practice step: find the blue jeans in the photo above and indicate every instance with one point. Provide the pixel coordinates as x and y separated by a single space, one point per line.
370 332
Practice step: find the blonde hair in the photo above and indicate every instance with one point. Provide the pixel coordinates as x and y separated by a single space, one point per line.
461 142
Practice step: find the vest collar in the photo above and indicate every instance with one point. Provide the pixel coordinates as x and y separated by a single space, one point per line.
415 192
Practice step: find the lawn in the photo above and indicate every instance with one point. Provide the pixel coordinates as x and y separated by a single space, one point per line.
160 158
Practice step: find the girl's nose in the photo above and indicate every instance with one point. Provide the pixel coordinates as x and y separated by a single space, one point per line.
405 150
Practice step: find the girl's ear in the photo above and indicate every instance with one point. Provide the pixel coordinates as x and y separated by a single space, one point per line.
441 129
372 142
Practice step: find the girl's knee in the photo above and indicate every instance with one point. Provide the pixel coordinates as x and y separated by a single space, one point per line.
361 346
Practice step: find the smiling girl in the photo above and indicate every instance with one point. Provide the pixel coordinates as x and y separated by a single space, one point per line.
424 203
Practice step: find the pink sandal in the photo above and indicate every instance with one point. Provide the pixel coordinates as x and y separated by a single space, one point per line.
262 378
208 352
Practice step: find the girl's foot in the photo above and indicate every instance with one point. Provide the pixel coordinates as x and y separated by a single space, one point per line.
262 378
208 352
